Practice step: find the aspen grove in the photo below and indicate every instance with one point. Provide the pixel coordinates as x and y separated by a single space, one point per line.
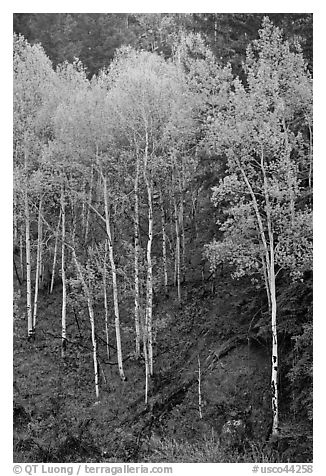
113 176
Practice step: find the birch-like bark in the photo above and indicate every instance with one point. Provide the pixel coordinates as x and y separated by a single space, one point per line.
31 330
165 269
199 390
55 253
106 310
91 320
21 257
114 280
272 287
137 249
63 276
177 246
38 261
274 379
149 280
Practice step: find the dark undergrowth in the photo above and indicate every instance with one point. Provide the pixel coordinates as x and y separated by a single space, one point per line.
225 327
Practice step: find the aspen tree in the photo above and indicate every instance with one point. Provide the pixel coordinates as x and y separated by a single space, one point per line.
146 95
34 79
105 298
63 275
31 330
262 177
114 279
181 221
199 389
38 262
149 278
137 253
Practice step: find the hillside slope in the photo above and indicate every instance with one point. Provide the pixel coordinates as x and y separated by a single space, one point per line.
56 419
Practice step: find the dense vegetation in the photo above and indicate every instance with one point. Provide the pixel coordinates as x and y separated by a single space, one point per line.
162 238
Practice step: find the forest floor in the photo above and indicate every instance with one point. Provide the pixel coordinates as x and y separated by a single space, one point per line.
56 418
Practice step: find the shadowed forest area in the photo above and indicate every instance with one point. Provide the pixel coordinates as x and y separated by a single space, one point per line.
162 255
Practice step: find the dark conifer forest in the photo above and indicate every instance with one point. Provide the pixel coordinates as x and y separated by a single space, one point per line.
162 227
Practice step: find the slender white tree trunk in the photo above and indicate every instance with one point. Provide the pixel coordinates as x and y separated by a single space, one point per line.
55 252
91 320
106 310
89 203
146 359
310 158
21 251
31 330
63 276
267 284
38 261
272 289
165 269
177 249
269 268
83 209
199 390
114 281
137 291
274 379
149 280
173 238
15 221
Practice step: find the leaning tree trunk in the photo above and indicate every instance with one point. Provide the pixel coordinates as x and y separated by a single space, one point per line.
63 276
91 320
114 281
137 249
38 261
